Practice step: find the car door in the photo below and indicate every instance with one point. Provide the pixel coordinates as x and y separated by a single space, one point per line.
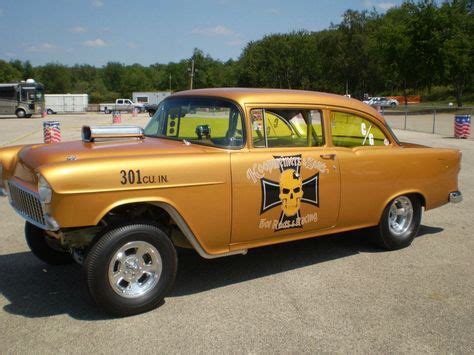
369 165
286 184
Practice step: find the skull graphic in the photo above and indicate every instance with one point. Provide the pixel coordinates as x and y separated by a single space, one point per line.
291 192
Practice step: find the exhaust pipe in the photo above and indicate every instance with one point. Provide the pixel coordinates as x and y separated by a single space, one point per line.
90 134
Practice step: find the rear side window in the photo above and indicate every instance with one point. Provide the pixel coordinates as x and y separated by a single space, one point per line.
349 130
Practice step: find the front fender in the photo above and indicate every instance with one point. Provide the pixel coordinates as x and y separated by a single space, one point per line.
84 191
9 159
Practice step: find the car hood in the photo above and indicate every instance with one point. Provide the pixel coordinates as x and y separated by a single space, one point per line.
34 156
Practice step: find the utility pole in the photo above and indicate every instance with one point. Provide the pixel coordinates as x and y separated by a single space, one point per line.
170 82
191 74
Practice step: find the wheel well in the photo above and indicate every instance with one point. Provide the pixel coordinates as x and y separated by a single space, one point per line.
137 211
420 197
147 212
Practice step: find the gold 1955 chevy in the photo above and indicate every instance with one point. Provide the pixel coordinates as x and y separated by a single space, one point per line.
220 171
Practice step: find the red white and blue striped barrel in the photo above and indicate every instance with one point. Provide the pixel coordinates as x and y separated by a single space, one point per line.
462 126
116 117
51 132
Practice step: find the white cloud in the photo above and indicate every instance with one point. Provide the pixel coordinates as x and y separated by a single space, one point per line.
213 31
384 6
43 47
94 43
78 29
97 3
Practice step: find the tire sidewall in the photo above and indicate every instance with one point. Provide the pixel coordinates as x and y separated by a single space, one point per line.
97 264
392 241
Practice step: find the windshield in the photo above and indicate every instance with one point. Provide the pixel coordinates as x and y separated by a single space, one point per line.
39 95
204 121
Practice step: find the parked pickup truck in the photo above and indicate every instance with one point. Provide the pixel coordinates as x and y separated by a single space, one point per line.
219 171
120 105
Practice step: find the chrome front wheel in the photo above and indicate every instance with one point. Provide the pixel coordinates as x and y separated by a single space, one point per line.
131 268
135 269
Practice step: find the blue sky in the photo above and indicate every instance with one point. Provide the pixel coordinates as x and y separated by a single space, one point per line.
155 31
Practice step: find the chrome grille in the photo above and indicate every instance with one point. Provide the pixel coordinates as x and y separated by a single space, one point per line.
27 204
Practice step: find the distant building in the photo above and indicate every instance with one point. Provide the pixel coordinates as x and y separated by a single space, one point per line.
150 97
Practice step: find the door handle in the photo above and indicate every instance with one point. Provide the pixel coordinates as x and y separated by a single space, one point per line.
328 156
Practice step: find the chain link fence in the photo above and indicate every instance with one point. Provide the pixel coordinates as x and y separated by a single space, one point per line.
428 119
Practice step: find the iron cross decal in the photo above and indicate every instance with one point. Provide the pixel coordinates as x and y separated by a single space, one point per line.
289 192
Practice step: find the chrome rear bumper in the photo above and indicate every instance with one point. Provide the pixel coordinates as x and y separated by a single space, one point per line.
455 197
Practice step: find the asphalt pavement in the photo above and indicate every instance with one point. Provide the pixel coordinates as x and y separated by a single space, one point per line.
329 294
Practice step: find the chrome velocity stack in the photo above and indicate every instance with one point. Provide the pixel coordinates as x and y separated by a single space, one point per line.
91 133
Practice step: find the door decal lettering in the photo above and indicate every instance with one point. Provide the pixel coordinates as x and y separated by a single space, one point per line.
289 192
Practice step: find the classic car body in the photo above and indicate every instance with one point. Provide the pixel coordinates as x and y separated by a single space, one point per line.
252 167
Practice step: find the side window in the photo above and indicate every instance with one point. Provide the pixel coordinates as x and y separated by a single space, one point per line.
349 130
286 128
316 118
7 92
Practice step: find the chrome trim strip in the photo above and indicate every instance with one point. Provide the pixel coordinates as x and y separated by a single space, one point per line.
455 197
190 236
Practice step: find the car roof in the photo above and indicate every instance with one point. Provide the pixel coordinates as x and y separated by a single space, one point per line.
245 96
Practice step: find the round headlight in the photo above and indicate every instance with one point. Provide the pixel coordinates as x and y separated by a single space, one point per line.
44 190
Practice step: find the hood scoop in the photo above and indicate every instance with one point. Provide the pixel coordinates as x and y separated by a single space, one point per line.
93 133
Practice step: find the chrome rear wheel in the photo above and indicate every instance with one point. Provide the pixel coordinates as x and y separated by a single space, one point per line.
400 222
400 215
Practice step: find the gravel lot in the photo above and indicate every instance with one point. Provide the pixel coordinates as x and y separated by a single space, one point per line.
331 294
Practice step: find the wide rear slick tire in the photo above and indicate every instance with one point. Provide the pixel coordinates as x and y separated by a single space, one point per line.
400 222
37 241
130 269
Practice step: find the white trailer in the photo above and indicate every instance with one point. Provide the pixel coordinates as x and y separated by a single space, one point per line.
150 97
64 103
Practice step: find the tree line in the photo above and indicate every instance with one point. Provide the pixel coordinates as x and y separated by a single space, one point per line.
416 48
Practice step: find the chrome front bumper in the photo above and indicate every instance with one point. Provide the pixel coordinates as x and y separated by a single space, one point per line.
455 197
